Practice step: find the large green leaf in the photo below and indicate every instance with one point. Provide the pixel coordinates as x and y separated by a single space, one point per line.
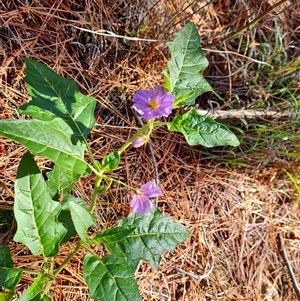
202 130
82 219
110 278
184 78
35 212
52 95
52 139
113 234
33 292
153 235
9 277
59 182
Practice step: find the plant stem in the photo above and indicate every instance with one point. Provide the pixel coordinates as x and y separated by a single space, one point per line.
95 192
118 182
141 131
29 271
69 257
89 250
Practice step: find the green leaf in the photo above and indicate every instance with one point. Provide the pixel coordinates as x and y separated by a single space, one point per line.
82 219
51 139
46 298
153 235
65 216
9 277
54 96
35 212
5 257
110 278
183 77
202 130
7 295
59 182
110 162
113 234
33 292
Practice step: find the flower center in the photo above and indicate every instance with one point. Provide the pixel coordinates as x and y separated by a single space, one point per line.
153 104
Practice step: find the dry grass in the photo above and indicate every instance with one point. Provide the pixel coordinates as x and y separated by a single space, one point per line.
234 216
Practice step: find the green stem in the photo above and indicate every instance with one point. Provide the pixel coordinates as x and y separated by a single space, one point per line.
59 269
29 271
90 154
69 257
119 182
141 131
95 193
47 287
160 123
89 250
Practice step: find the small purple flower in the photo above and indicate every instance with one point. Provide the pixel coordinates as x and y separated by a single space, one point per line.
140 202
139 142
153 103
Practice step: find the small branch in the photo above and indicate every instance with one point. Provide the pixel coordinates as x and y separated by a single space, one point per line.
68 258
95 193
111 34
247 114
288 265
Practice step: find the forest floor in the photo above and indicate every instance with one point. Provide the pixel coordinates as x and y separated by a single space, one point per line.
240 205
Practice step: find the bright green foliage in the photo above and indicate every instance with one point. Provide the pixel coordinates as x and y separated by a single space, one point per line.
113 234
54 96
110 162
202 130
45 298
82 219
48 215
35 212
137 237
183 77
52 139
65 216
59 182
153 235
9 277
7 295
33 292
110 278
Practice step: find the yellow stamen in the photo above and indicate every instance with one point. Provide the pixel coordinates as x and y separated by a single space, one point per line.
153 104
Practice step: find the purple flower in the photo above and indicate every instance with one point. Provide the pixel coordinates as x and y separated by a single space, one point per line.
153 103
140 202
139 142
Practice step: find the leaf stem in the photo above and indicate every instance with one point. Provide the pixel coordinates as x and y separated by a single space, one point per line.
119 182
27 271
160 123
90 155
69 257
134 137
90 251
98 180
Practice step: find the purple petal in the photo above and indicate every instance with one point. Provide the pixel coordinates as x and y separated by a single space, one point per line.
139 142
165 102
150 190
140 204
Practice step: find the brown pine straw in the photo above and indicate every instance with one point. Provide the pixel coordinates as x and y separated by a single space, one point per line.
234 215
